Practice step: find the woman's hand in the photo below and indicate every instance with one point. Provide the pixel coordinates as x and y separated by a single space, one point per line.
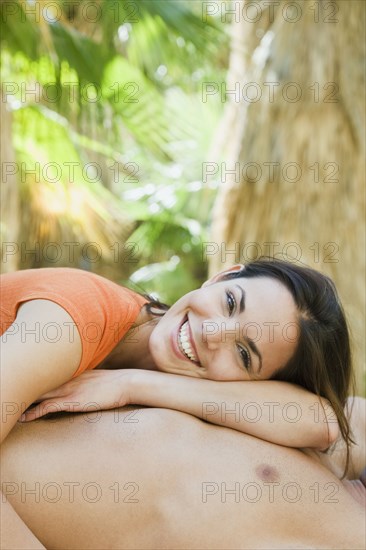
92 390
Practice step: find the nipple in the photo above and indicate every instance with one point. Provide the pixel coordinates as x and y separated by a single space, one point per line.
267 473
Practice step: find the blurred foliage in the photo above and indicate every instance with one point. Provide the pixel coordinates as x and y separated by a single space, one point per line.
117 84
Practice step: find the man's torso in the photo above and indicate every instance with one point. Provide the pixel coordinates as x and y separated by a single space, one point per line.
152 478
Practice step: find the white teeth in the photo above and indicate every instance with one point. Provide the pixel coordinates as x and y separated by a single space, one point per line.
184 342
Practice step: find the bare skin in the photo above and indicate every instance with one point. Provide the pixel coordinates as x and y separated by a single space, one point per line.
32 367
177 468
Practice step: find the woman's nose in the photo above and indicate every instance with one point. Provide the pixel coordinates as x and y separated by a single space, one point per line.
219 331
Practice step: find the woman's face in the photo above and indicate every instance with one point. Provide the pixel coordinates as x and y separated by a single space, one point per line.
238 329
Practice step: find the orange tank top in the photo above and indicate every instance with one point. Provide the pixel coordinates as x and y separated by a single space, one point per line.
102 311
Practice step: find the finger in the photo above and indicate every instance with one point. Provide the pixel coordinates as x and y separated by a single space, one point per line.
41 409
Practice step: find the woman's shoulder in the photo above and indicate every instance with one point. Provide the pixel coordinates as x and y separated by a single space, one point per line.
42 276
53 278
76 290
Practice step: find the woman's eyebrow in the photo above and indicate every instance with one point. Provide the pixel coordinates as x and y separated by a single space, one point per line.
242 299
251 343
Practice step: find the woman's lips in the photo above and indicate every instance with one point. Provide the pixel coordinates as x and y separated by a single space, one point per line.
175 345
192 342
174 340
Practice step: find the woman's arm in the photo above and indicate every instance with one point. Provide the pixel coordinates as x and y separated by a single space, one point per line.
37 355
275 411
278 412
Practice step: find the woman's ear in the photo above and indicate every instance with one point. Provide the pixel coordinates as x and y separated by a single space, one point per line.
219 276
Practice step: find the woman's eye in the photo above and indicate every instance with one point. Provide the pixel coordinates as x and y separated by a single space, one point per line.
245 356
230 300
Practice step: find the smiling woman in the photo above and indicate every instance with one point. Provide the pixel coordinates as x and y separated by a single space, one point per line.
268 320
238 329
256 328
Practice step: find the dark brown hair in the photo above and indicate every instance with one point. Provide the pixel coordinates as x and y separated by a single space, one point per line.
322 361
